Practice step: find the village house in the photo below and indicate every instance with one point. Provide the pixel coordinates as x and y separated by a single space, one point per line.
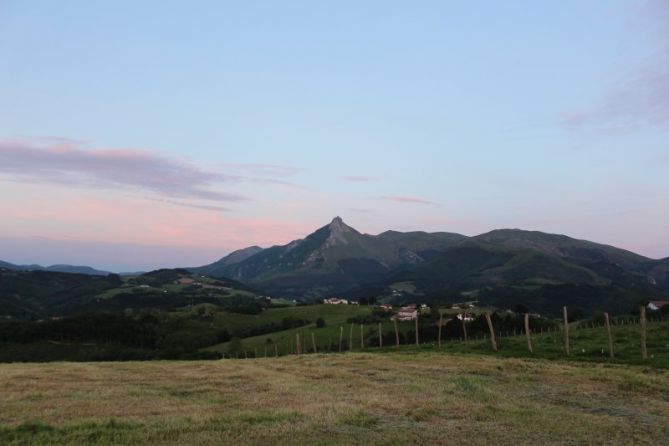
655 305
407 313
386 307
465 317
335 301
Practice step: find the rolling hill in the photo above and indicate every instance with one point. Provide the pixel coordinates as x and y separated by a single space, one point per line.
46 294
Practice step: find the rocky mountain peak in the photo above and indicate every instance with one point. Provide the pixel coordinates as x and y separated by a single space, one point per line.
339 232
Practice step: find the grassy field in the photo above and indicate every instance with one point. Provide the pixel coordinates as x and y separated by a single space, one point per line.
333 315
354 398
586 344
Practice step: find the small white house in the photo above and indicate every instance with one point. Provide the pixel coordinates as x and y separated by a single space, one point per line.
335 301
655 305
408 313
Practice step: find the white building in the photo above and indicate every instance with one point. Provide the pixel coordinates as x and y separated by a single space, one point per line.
335 301
655 305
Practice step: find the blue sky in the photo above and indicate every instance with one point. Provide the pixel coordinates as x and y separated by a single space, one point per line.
117 117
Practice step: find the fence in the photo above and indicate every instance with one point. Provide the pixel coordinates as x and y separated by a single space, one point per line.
375 336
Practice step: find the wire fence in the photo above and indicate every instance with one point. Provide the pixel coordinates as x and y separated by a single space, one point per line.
362 337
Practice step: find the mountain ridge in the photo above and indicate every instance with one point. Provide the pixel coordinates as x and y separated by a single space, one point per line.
337 258
58 268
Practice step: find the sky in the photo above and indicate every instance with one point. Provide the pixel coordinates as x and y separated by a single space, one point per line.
137 135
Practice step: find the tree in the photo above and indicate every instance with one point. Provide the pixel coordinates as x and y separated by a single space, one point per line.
320 322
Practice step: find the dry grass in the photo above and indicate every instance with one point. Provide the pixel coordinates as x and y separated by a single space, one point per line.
398 398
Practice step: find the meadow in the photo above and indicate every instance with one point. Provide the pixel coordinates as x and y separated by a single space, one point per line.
353 398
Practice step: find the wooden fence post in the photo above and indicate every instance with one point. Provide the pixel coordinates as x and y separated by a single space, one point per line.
417 342
341 336
380 335
464 326
527 333
566 330
397 334
609 334
313 342
362 336
441 321
298 344
642 326
493 342
350 338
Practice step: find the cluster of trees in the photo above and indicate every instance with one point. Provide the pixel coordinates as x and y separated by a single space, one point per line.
145 334
582 300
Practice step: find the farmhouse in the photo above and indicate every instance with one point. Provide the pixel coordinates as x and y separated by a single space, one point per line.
335 301
408 313
655 305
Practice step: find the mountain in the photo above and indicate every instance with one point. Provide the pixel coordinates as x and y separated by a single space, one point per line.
217 268
580 251
486 262
334 258
659 271
56 268
337 259
7 265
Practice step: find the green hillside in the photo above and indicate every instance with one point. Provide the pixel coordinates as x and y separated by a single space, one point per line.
43 294
337 259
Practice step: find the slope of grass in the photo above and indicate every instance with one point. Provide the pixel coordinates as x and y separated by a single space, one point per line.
586 344
353 398
333 315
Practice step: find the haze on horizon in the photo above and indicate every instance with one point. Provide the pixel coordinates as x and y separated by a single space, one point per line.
136 136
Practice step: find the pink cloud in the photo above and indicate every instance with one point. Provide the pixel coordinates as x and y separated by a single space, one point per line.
84 216
68 163
406 199
642 97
